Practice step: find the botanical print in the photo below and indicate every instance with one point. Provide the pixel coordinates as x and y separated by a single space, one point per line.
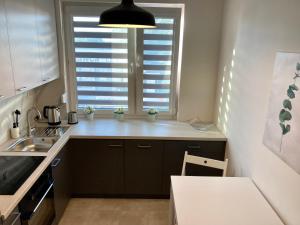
285 113
282 131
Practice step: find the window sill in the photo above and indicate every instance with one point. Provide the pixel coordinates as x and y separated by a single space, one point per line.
130 117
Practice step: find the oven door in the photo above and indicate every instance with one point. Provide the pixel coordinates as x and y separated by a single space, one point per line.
37 207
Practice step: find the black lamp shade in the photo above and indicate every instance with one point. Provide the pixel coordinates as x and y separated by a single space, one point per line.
127 15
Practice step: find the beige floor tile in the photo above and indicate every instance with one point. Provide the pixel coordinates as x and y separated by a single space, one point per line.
144 204
72 217
130 218
158 218
101 217
116 212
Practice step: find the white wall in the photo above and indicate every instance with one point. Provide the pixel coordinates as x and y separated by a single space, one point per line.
200 59
50 94
253 31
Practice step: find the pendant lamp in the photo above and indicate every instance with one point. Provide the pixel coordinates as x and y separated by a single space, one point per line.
127 15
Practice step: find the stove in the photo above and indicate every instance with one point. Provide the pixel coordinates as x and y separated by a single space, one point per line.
15 170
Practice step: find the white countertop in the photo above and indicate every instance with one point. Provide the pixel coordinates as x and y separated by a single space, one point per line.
141 129
105 129
220 201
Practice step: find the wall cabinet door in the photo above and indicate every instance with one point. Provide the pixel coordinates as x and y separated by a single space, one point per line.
143 167
61 176
7 88
174 154
97 167
22 32
47 39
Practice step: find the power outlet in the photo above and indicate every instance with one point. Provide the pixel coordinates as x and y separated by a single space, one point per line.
64 98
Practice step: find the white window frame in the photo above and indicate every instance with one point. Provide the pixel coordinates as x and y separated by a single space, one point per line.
135 83
159 11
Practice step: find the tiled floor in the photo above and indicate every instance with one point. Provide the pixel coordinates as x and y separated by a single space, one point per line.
116 212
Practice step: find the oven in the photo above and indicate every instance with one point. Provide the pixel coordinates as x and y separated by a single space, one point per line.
37 207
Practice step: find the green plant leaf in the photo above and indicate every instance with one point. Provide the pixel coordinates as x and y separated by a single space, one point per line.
294 87
298 66
291 93
284 116
285 129
287 104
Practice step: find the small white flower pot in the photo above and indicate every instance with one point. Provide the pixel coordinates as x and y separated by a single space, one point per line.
90 116
15 132
119 117
152 117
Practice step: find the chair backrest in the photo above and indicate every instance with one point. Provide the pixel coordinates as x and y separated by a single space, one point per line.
201 161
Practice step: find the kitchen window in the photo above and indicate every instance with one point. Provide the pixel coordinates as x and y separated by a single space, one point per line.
133 69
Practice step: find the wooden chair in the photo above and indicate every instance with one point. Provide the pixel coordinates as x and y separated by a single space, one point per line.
197 160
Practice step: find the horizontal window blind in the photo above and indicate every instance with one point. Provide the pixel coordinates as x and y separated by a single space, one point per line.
134 69
101 57
158 47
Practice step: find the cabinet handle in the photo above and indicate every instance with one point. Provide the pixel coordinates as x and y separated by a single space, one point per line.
16 218
193 147
115 146
55 162
144 146
22 89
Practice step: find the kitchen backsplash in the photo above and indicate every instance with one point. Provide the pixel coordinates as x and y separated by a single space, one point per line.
22 102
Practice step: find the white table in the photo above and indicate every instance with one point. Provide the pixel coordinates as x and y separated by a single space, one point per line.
218 201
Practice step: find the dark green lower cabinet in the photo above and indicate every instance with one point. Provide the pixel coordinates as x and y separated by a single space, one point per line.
143 167
61 176
97 167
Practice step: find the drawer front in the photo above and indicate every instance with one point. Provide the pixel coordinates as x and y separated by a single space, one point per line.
208 149
143 167
113 144
174 154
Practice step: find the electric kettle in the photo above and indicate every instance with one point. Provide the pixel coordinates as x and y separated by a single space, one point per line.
52 114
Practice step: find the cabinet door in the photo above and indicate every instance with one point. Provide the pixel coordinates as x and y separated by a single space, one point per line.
61 176
7 81
143 167
97 167
47 39
174 154
22 32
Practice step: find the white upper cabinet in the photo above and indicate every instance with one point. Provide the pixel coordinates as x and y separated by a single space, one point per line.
47 39
22 32
7 88
28 45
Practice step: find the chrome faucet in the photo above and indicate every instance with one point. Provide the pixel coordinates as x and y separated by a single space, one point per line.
37 117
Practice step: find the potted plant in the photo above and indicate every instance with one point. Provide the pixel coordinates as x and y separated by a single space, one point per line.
119 114
89 112
152 114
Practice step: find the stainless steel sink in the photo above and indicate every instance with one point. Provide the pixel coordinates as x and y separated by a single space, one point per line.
33 144
49 131
44 138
